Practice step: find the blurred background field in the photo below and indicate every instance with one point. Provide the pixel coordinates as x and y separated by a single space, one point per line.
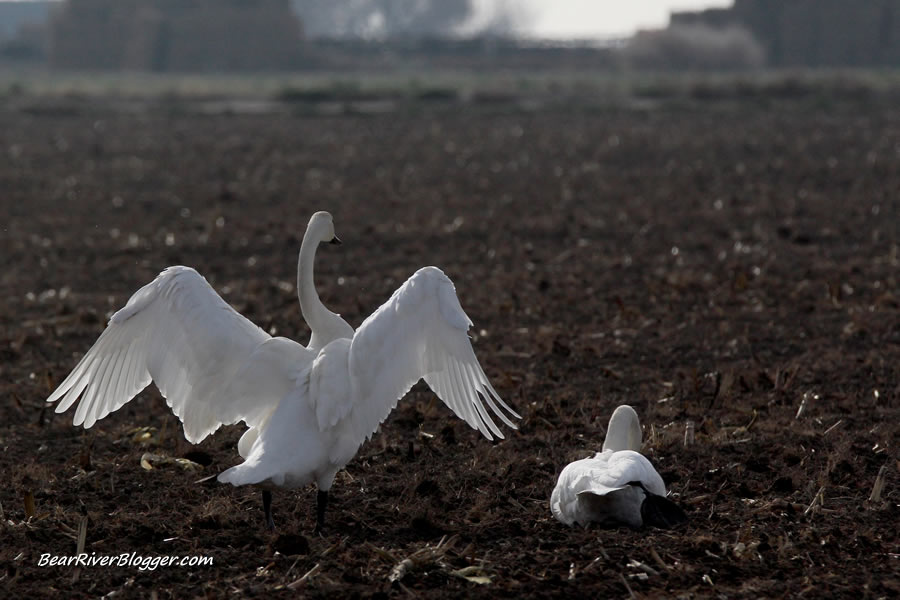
310 51
584 87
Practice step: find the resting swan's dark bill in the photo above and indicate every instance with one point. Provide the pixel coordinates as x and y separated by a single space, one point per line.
308 409
617 485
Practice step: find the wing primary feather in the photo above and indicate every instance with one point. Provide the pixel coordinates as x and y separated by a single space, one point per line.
473 387
470 398
68 382
165 375
76 373
129 369
457 397
66 399
436 380
103 391
93 377
479 394
487 384
453 395
91 390
478 375
114 390
97 387
138 365
73 393
434 383
82 369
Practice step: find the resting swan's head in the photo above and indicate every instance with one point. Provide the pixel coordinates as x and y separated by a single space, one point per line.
623 431
321 228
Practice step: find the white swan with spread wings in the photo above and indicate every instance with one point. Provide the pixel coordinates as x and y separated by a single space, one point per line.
308 408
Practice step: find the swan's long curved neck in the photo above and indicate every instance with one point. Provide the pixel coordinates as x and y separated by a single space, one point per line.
624 431
314 312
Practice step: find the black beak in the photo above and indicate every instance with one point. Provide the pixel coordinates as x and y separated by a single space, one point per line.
659 511
336 240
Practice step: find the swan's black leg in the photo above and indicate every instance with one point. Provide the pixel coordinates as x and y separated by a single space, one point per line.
267 509
321 503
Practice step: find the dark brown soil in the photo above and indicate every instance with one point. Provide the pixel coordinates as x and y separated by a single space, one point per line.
720 264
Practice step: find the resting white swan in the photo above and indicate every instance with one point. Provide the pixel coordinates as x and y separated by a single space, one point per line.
617 485
308 411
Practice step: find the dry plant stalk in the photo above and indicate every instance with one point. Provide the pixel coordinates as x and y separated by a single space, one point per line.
830 429
804 402
879 485
381 552
801 408
306 576
689 433
818 499
29 505
150 461
476 574
636 564
420 557
752 420
658 559
82 535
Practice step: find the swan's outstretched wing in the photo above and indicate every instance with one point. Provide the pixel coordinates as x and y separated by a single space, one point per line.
179 333
420 332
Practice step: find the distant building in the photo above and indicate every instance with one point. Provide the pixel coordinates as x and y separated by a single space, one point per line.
175 35
14 15
22 31
816 33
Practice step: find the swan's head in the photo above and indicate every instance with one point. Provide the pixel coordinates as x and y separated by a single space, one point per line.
624 430
321 228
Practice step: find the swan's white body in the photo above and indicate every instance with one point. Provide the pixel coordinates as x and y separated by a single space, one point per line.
601 489
308 408
339 398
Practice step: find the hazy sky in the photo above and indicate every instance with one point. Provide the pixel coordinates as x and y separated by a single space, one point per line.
598 18
605 18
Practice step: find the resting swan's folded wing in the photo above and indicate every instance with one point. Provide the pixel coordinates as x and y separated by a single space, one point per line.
420 332
610 471
179 333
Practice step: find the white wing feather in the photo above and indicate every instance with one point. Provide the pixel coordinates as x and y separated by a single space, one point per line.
613 470
179 333
420 332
